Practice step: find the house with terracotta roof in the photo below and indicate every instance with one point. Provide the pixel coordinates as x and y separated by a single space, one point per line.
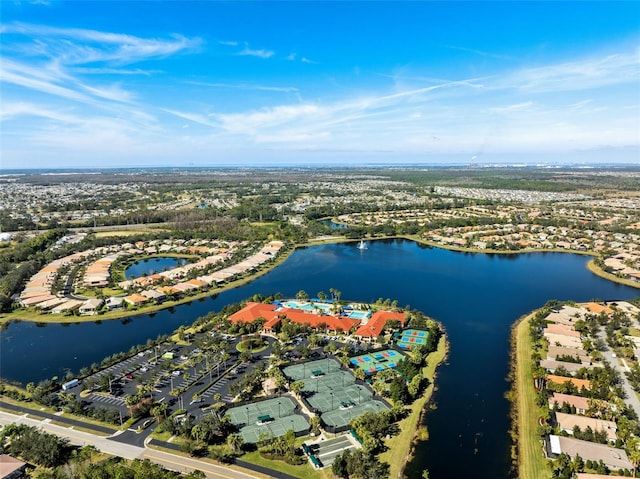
598 308
135 299
253 311
578 383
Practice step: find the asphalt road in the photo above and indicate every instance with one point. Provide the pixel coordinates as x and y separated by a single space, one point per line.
632 397
128 451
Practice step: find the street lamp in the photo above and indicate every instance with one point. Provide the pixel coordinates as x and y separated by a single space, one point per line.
279 412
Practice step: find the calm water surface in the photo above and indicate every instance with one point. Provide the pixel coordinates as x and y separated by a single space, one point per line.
150 266
477 298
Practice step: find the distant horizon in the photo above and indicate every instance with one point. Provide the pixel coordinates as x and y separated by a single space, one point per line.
211 84
322 166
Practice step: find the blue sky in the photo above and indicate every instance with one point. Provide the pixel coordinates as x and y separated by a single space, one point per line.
119 83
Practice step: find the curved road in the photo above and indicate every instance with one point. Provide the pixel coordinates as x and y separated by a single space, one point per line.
116 448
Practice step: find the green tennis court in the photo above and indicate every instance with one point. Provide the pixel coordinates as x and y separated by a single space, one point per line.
260 411
329 382
272 417
339 398
321 367
341 417
275 428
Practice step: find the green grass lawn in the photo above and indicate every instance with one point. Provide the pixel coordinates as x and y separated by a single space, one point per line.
304 471
532 464
398 454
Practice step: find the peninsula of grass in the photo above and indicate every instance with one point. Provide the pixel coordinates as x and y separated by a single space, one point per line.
528 454
401 447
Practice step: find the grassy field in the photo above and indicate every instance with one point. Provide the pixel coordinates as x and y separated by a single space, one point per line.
105 234
531 462
304 471
400 445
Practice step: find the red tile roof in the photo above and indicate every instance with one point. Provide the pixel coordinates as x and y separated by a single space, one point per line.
253 311
376 323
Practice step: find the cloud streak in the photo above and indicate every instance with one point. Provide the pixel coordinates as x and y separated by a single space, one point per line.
246 51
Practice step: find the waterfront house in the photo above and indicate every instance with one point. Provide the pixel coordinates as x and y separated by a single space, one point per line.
561 329
556 352
563 341
567 422
91 306
578 383
581 404
613 458
135 299
551 365
115 303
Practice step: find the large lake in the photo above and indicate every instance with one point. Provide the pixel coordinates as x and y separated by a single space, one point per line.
477 297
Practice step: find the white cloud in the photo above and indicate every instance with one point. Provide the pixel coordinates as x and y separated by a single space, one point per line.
246 51
75 46
228 43
247 86
583 74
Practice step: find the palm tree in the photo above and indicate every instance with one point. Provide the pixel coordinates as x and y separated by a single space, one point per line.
130 401
296 387
235 442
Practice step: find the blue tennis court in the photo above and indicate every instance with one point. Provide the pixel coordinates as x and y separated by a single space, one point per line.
373 362
413 337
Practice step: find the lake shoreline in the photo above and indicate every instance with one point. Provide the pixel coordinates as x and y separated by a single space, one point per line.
282 257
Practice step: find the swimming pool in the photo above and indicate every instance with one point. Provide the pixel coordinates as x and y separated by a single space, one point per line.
359 315
306 306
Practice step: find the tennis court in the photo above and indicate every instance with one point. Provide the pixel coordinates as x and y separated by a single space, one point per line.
329 399
340 417
311 369
275 428
373 362
250 413
273 417
412 337
326 451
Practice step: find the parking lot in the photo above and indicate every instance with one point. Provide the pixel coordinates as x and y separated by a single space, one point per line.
185 369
